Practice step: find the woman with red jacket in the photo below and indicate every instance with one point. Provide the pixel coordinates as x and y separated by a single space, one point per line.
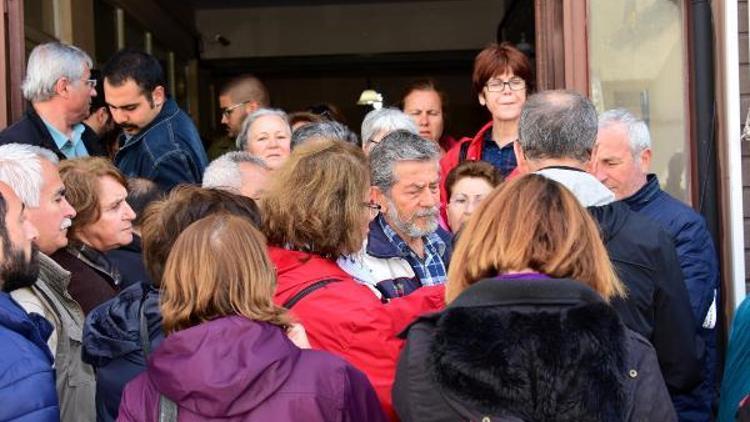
502 79
316 210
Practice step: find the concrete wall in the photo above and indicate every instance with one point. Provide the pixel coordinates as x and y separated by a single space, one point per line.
350 29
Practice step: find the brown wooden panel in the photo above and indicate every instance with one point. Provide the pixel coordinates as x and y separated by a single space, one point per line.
744 105
746 201
742 17
744 77
742 44
550 57
747 268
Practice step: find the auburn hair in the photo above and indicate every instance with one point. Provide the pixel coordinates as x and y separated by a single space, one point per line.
219 267
534 223
476 169
496 59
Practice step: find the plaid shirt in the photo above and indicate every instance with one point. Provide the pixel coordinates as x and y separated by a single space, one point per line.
503 158
431 270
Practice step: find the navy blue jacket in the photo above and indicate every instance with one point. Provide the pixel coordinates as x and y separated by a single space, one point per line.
27 379
31 130
128 260
697 259
112 343
168 150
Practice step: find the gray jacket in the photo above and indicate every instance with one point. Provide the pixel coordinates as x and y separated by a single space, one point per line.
76 383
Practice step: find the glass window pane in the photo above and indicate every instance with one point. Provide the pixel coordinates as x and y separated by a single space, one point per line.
636 59
105 27
40 15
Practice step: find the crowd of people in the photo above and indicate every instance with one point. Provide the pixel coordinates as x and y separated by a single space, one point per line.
535 271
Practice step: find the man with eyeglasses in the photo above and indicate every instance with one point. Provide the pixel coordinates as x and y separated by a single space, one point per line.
239 98
59 87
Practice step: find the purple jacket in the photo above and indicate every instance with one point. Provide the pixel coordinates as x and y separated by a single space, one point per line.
236 369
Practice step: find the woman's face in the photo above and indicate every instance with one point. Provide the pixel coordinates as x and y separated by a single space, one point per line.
467 194
114 228
269 139
504 103
426 109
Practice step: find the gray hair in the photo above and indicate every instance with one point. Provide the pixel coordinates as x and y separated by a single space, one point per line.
638 134
558 124
324 130
386 119
252 117
47 64
397 146
224 172
21 169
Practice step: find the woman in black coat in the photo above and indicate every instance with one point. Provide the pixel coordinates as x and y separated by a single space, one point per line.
528 333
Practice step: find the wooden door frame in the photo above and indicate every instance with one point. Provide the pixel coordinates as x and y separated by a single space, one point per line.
562 45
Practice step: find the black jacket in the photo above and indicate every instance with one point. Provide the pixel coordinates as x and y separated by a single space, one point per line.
658 305
529 350
128 260
32 131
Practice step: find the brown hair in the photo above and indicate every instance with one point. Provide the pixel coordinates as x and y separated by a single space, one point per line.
314 203
164 220
499 58
532 222
426 84
477 169
246 88
305 117
81 179
219 267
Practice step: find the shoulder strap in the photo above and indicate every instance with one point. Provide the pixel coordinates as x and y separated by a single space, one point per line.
167 409
306 291
463 149
143 329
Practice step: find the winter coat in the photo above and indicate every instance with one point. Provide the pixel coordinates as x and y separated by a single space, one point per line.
346 318
31 130
128 260
27 379
112 343
168 150
94 280
697 258
530 350
232 368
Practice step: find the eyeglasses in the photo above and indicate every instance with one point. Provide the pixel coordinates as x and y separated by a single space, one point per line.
226 112
496 85
91 83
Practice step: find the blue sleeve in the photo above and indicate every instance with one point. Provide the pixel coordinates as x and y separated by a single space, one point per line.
31 397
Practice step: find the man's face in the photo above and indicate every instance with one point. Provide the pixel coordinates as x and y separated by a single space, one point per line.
616 166
254 180
20 266
130 108
54 214
411 206
233 113
426 110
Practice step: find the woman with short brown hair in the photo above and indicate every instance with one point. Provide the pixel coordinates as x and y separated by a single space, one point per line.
316 210
528 333
226 354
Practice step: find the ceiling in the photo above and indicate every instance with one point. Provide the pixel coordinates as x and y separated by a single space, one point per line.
227 4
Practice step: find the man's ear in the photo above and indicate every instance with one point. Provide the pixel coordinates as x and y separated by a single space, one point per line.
378 196
62 85
158 96
645 161
251 107
590 165
523 165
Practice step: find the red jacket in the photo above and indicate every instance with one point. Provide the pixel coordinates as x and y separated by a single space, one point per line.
347 319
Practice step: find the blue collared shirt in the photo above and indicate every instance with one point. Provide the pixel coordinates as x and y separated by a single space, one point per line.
431 269
72 147
504 159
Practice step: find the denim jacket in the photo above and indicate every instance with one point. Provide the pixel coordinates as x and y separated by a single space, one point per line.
168 150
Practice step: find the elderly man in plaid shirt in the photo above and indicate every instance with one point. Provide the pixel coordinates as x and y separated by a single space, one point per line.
406 248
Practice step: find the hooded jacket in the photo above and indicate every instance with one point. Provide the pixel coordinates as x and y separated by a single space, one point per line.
27 379
232 368
346 318
528 350
112 343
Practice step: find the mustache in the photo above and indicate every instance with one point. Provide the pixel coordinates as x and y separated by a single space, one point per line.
127 126
66 223
428 212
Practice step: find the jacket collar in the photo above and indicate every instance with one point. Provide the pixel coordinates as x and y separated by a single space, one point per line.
645 194
168 110
55 275
379 246
95 260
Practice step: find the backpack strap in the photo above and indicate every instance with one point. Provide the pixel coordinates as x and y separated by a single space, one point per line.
167 409
463 150
306 291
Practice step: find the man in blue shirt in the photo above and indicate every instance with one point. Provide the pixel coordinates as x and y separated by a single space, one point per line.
622 163
59 87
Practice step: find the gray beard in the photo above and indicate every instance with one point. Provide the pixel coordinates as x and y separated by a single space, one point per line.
409 228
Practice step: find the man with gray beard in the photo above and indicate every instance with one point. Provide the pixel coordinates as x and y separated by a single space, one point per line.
32 173
406 248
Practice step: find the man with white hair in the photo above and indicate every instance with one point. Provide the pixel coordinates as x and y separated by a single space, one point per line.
622 163
238 172
381 122
59 87
32 173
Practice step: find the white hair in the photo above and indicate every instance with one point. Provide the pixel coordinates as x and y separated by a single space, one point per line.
47 64
638 135
252 117
21 169
224 172
386 119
